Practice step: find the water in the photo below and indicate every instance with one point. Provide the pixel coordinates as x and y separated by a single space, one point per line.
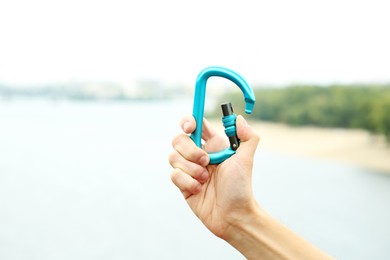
90 180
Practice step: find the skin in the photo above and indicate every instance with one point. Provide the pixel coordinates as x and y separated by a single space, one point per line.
221 195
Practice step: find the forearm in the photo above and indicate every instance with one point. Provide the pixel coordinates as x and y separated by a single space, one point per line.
259 236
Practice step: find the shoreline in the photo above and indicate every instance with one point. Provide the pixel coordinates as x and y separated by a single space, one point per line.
351 146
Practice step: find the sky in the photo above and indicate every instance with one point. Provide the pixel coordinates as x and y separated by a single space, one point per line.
268 42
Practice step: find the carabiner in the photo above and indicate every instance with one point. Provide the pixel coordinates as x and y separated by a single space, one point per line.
229 119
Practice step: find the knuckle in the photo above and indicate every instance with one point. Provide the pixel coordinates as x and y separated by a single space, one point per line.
176 140
174 175
172 157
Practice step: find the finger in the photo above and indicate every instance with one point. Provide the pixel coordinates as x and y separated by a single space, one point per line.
188 124
248 137
187 149
208 131
194 170
186 184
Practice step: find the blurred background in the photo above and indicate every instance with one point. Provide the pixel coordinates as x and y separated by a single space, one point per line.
91 93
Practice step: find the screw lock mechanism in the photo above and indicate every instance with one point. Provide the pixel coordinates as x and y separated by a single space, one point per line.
229 122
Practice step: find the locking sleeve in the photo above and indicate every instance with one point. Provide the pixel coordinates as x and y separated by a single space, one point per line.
229 122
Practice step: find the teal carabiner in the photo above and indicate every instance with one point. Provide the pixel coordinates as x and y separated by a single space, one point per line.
199 100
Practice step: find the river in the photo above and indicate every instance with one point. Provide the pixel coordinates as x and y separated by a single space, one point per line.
90 180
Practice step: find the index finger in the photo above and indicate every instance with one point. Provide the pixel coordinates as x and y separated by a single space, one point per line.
188 124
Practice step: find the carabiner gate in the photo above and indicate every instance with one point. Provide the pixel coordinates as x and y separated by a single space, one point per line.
229 118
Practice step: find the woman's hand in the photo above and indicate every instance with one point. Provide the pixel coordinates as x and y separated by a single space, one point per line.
221 195
218 194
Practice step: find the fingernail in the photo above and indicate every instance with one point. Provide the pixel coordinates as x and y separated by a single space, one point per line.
205 176
186 126
243 121
204 160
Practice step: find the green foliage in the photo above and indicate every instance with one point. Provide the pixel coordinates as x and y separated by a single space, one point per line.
358 106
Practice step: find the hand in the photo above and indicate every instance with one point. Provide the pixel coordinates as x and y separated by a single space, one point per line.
219 195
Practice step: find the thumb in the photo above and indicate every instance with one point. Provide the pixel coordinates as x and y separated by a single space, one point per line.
248 137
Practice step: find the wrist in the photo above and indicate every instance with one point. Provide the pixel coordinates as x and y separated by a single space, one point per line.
245 231
258 236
